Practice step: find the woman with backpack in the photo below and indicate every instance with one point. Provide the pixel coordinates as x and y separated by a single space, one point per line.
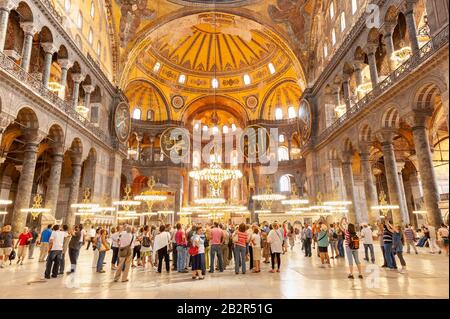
146 247
352 250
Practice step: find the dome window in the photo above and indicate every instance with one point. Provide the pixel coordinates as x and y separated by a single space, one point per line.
271 68
214 83
278 113
247 80
156 67
182 79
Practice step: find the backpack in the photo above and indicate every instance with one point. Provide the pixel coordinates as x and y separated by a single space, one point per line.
354 242
335 235
146 241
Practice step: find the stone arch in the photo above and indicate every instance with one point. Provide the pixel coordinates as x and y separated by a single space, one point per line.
46 35
373 36
56 134
27 118
390 118
76 147
366 134
25 12
359 55
425 96
391 15
63 53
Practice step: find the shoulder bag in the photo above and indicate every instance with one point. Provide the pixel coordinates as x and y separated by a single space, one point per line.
126 251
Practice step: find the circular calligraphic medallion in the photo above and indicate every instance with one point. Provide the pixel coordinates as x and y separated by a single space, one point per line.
254 142
175 142
177 102
122 122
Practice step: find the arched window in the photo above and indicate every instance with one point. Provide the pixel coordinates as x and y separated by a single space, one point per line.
333 36
80 20
343 25
325 51
137 113
214 83
67 5
150 115
92 12
233 127
271 68
78 41
225 129
182 79
285 183
354 6
90 36
332 10
281 138
247 80
283 154
99 48
291 112
156 67
278 113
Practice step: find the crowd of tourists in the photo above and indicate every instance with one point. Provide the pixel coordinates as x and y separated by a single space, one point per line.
214 247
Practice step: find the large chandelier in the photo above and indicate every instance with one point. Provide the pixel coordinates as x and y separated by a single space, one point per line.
215 175
384 207
86 201
266 199
150 196
37 208
294 200
126 203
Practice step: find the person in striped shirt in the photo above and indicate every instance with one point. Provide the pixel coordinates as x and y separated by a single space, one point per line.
240 239
410 237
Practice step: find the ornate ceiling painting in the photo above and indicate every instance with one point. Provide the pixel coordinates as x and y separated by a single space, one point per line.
196 41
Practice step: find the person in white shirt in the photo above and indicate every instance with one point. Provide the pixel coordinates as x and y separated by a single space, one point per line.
91 236
161 246
55 252
275 239
115 246
255 242
367 236
126 245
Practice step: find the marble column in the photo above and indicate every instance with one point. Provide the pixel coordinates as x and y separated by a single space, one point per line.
371 50
410 202
402 197
390 166
29 31
5 7
53 183
347 95
289 149
88 89
139 139
389 42
65 64
77 79
426 169
25 185
74 188
369 186
411 25
152 141
347 174
49 49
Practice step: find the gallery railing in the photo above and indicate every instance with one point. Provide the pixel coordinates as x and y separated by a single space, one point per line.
14 70
426 51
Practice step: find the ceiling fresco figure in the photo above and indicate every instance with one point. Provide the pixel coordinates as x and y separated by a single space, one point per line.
291 13
132 13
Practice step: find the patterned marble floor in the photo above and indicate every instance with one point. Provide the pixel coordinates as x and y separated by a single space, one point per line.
427 277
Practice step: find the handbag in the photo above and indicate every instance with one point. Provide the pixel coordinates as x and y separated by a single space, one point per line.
126 251
193 250
12 255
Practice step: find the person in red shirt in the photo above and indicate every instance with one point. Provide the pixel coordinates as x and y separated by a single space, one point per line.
24 239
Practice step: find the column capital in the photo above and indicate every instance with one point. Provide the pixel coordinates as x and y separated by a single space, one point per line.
33 136
410 6
358 65
49 47
419 118
78 77
29 28
76 158
388 29
371 48
386 136
8 5
347 157
65 63
88 88
364 150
